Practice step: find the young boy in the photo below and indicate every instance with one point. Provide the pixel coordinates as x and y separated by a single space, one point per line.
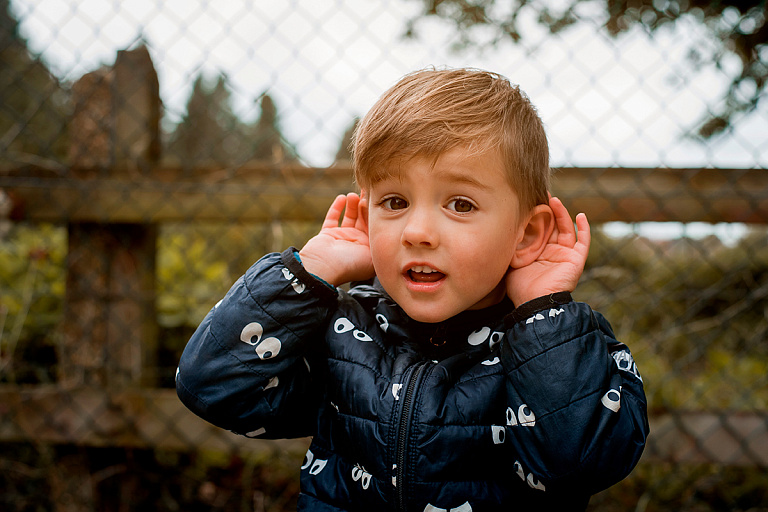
462 376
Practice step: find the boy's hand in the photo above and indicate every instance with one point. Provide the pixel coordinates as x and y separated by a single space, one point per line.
340 252
561 263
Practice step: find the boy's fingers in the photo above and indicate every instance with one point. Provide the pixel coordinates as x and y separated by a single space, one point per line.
334 212
584 233
350 212
563 223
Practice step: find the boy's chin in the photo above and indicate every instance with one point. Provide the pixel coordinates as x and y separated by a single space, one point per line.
428 314
435 312
427 318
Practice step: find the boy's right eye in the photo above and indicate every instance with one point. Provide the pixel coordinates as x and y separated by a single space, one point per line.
395 203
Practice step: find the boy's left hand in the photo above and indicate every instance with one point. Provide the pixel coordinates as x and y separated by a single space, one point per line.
561 263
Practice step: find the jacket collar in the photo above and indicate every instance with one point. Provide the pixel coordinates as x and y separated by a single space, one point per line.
435 340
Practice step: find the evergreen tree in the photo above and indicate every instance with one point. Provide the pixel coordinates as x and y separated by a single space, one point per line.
200 136
33 105
211 133
267 142
344 154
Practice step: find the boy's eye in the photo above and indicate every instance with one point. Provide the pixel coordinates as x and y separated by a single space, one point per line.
395 203
461 206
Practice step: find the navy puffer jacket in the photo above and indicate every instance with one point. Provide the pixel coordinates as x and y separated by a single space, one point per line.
498 409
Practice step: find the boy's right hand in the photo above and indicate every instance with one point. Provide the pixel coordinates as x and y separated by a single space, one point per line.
340 252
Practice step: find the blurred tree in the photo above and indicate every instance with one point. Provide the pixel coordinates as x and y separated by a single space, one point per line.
33 105
738 27
344 154
266 140
211 132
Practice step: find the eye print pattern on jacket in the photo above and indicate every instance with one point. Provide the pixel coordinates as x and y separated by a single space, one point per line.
624 361
315 466
383 322
531 480
359 474
466 507
612 399
343 325
484 333
538 316
298 286
524 418
266 348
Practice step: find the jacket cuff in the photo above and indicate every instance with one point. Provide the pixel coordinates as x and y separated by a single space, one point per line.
290 258
530 308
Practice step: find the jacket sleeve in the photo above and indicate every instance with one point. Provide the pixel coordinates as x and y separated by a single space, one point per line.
577 413
248 367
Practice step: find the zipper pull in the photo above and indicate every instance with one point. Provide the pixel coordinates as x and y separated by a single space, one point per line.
438 338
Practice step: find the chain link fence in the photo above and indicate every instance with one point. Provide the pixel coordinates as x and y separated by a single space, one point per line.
151 151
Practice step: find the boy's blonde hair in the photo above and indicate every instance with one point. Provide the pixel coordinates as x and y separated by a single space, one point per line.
434 110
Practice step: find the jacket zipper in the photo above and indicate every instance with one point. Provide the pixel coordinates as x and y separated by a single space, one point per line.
402 434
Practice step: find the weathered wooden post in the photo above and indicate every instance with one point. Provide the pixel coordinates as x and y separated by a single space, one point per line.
108 333
109 329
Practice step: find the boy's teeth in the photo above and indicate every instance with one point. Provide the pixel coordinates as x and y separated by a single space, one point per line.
422 269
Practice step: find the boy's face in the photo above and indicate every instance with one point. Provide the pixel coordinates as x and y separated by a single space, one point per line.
442 237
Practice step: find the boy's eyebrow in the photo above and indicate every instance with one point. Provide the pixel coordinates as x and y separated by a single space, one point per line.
461 177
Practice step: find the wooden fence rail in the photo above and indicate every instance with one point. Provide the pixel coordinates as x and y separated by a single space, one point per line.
257 192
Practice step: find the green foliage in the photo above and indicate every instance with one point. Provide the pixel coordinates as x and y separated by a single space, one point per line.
693 313
198 263
662 487
33 105
738 29
41 477
31 291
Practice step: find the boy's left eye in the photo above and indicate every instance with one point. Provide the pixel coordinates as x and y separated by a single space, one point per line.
461 206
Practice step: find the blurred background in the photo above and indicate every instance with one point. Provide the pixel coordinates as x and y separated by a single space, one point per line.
151 151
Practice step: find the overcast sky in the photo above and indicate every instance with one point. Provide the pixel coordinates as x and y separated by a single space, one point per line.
605 102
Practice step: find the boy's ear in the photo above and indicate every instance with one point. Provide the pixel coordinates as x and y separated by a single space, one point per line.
362 208
534 236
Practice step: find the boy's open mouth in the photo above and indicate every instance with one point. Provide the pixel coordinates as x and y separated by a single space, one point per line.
423 274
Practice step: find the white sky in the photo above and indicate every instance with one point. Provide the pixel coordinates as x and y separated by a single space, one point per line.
605 102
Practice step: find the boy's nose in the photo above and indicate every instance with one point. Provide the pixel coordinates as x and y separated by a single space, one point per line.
420 230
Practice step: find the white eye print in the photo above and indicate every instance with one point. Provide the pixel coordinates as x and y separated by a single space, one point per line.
612 399
268 348
360 335
273 383
343 325
498 433
265 348
525 416
250 331
383 322
315 465
479 336
308 458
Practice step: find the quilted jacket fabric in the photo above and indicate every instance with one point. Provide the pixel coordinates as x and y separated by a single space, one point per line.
531 409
